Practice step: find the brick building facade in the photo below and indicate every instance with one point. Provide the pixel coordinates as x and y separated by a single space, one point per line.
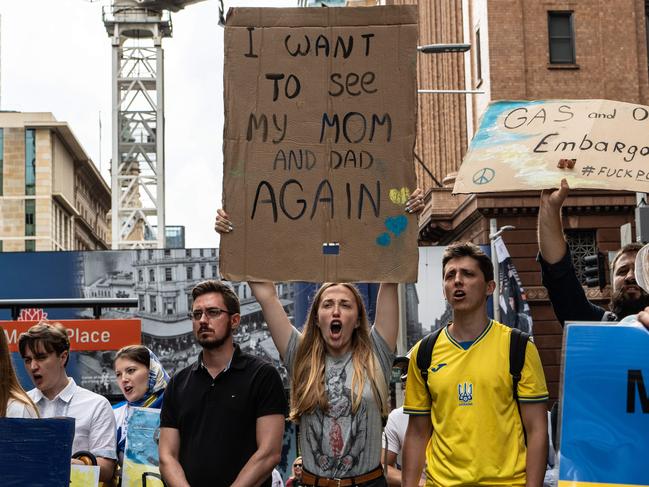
523 50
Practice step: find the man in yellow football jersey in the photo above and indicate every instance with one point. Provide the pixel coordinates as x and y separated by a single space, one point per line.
465 416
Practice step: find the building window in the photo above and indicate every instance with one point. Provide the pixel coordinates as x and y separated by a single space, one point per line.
189 302
214 272
582 244
141 302
188 252
153 304
151 275
170 306
200 252
168 274
138 253
478 59
190 273
1 157
56 218
30 162
213 252
150 254
202 272
30 246
30 218
167 252
140 276
561 36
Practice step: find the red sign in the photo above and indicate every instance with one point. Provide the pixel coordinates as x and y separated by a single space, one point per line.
88 335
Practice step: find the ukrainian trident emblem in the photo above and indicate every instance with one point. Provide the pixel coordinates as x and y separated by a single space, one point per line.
465 393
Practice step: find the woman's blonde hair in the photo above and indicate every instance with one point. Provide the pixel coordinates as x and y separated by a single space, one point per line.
308 377
9 386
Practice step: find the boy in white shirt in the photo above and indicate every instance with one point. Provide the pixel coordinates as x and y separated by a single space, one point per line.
45 349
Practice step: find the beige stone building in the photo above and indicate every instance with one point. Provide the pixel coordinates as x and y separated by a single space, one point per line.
52 196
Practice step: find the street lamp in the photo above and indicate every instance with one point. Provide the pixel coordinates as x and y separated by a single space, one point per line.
438 48
442 48
493 235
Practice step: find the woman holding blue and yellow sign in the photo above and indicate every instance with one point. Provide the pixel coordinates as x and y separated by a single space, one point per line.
142 379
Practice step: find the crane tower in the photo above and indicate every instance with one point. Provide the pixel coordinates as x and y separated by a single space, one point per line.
136 29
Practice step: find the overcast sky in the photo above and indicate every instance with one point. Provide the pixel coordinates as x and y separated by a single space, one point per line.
55 57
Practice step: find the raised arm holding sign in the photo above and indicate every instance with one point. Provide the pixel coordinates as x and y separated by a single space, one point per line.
566 293
339 368
318 170
355 359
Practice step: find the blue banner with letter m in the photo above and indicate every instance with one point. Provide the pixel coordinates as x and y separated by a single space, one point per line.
605 406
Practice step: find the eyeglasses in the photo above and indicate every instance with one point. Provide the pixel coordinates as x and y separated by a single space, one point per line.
211 313
297 465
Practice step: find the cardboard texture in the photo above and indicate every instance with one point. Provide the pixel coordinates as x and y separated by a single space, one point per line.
604 424
519 145
35 452
320 116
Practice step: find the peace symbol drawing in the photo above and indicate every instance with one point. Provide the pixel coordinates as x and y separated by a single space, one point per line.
484 176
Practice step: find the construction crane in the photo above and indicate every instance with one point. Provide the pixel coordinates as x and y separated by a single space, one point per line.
136 29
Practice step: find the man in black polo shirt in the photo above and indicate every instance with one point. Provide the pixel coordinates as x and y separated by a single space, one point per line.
222 419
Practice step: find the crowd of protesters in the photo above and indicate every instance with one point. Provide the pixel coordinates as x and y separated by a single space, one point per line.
222 417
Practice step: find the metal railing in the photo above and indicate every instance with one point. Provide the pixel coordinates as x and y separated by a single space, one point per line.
97 304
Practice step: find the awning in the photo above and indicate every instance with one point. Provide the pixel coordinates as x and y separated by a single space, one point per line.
167 330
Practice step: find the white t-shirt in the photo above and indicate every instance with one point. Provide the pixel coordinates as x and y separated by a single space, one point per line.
277 479
395 432
94 427
18 409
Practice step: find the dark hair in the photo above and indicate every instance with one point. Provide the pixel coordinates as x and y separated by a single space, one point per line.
630 248
468 249
53 337
137 353
212 286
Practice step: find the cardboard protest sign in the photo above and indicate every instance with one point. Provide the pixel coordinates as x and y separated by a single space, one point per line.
320 115
141 462
605 406
520 143
84 334
35 452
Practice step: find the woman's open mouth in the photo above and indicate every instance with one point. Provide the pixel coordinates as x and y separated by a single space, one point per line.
336 327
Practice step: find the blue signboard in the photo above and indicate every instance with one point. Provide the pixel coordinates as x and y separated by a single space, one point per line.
35 452
605 406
